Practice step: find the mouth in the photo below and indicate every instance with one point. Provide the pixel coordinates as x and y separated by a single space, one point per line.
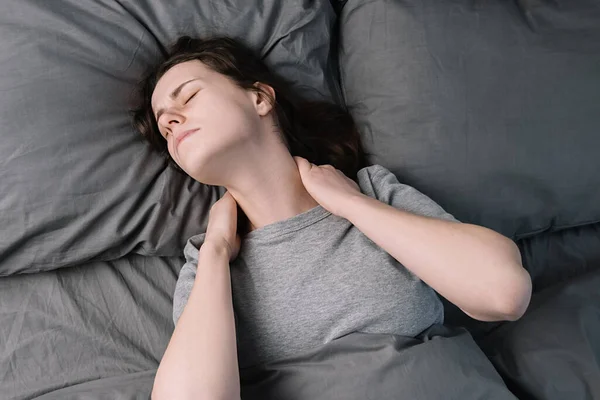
185 135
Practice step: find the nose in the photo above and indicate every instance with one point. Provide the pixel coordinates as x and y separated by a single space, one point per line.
172 123
174 119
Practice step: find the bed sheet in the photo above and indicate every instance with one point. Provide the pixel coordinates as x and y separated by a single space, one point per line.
97 330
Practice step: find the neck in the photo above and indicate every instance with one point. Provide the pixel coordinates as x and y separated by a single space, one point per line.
269 191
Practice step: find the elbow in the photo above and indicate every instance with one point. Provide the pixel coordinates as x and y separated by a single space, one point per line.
513 299
513 302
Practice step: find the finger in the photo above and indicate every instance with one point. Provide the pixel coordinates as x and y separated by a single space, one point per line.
302 163
298 160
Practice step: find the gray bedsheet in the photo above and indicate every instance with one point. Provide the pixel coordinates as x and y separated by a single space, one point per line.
441 363
99 330
95 331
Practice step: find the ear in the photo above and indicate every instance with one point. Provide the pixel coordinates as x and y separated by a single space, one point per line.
262 104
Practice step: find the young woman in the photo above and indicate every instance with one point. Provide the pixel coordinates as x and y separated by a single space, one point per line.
309 242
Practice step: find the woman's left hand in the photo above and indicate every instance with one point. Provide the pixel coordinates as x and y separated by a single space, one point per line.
327 185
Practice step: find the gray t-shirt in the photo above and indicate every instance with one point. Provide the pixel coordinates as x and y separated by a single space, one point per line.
309 279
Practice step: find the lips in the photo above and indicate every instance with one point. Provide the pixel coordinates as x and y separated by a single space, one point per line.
184 135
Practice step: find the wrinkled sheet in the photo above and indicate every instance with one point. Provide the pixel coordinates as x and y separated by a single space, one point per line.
94 331
442 363
553 352
99 330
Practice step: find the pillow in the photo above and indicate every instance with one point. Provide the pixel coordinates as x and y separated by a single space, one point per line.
491 108
78 183
553 351
556 257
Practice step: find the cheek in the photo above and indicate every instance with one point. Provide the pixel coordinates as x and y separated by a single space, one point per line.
240 119
222 118
231 109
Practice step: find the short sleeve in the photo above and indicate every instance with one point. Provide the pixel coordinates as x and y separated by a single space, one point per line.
183 288
378 182
187 275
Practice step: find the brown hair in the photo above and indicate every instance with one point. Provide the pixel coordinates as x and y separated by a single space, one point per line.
320 131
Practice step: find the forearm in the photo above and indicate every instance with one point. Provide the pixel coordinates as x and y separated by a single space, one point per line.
200 361
474 267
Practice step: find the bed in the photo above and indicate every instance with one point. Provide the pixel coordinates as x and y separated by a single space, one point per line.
490 107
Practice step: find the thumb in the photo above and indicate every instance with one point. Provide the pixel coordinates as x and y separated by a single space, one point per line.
301 162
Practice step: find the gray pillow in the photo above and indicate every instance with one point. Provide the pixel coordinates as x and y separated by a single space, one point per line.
491 108
553 351
77 182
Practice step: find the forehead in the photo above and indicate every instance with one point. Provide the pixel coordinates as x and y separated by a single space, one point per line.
175 76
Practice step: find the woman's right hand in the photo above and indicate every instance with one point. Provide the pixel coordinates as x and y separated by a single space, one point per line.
222 226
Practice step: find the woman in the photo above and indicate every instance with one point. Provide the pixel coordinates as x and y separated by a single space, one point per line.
320 243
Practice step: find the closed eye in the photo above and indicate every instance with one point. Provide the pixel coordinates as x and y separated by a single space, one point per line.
191 97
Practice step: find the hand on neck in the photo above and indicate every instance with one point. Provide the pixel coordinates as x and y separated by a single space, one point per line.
275 196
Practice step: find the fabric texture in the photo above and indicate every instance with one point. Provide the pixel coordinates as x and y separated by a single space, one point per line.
94 331
309 279
441 363
77 182
492 107
553 352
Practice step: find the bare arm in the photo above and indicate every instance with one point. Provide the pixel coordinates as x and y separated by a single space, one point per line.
200 361
474 267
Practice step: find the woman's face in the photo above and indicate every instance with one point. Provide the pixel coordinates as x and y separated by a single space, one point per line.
205 118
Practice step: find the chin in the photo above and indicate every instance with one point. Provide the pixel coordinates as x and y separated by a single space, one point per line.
197 168
206 161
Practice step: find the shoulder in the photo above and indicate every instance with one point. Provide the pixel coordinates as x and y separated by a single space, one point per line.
380 183
377 181
187 274
373 171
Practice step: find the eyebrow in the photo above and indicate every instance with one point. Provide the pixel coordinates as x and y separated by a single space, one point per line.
174 94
